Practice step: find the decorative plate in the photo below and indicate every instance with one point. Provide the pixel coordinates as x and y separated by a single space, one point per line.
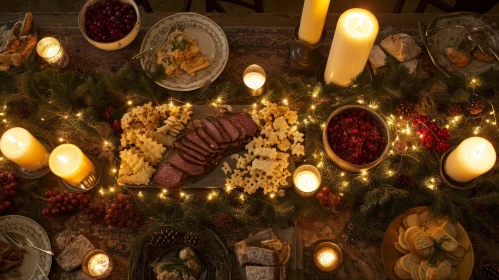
37 235
214 257
440 39
391 255
211 41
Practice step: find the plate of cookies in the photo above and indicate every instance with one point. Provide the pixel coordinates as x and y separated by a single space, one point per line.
191 50
419 246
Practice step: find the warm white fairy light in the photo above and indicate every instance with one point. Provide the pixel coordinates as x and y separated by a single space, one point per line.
78 115
161 195
114 170
129 102
182 194
61 139
101 191
285 101
361 101
389 173
241 197
228 188
312 107
188 105
272 195
141 195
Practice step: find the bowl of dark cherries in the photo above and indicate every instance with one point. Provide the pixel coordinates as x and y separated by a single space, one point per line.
356 138
109 24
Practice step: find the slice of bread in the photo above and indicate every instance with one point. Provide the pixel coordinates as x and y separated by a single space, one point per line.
401 239
415 272
27 24
408 261
400 272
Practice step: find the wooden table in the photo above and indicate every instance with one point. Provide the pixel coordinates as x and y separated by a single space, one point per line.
363 261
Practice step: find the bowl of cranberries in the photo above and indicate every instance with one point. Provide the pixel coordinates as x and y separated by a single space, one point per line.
356 138
109 24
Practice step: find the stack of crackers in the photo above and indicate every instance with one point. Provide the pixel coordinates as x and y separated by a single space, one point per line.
265 165
147 132
417 241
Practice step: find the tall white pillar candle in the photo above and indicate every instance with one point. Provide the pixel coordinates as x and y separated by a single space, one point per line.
353 40
473 157
312 21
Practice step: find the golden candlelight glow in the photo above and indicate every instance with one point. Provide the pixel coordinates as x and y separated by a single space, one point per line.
50 49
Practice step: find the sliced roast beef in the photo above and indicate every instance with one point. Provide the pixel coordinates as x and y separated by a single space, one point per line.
207 139
247 123
168 176
177 161
213 131
229 128
193 146
189 151
220 129
235 122
194 138
190 158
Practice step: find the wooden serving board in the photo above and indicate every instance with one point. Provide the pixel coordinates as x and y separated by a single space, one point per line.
216 178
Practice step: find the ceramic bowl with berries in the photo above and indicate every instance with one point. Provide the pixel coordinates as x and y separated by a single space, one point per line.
356 138
109 24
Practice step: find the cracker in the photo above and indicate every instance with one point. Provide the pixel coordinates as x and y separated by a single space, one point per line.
226 168
280 124
152 150
298 149
269 153
267 166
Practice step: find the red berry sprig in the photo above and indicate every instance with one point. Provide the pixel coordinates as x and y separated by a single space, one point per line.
122 213
63 203
326 198
431 135
8 187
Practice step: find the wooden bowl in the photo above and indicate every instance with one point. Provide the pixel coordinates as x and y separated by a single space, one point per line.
110 46
343 163
391 255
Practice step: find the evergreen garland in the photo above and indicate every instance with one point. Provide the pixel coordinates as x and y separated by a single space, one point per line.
66 106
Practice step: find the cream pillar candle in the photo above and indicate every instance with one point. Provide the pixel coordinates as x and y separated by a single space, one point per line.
68 162
18 145
353 40
473 157
312 21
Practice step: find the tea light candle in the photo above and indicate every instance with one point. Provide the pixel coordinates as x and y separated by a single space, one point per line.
353 40
472 158
326 259
18 145
68 162
307 180
50 49
97 264
312 21
254 78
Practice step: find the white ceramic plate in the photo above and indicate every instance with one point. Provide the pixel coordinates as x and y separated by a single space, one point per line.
441 39
212 43
37 235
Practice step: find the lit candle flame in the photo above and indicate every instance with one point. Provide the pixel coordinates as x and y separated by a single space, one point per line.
13 140
63 159
478 152
326 258
361 22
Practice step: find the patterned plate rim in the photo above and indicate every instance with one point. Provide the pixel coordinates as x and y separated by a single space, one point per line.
36 226
213 24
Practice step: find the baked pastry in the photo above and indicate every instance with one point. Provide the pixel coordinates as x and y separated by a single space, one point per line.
401 46
16 44
10 258
186 267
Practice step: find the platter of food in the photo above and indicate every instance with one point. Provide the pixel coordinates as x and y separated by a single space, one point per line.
449 43
177 253
21 264
419 246
173 146
17 42
192 49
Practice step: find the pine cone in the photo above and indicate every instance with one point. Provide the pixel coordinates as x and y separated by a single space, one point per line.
490 271
406 110
475 107
404 181
426 105
194 240
23 111
223 222
164 238
454 109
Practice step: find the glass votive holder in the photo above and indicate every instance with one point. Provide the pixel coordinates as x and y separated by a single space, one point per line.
51 50
97 264
254 78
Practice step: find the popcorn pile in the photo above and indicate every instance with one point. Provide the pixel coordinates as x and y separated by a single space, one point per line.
265 165
144 141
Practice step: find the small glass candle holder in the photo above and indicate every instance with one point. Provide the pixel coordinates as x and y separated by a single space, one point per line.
326 257
306 179
97 264
51 50
254 78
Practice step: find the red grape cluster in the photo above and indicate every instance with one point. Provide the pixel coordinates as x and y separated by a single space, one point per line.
95 211
122 213
431 135
325 197
8 186
109 21
61 203
356 136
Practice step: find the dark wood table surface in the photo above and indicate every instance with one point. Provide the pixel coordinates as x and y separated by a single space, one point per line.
363 261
